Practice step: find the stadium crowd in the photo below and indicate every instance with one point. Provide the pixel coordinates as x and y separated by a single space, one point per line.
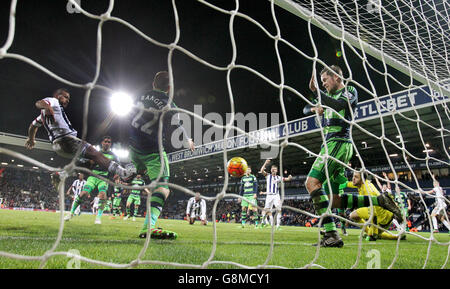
32 189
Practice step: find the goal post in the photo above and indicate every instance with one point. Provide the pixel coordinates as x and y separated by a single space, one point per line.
401 61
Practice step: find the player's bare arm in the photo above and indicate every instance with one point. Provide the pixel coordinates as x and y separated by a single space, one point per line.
191 144
388 184
312 83
68 191
263 168
288 179
309 109
378 183
31 141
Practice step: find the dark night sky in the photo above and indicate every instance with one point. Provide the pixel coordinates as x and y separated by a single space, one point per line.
66 44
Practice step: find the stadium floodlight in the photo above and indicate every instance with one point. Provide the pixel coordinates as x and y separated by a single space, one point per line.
121 103
121 153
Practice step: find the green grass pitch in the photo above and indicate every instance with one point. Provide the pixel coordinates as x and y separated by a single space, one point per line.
33 233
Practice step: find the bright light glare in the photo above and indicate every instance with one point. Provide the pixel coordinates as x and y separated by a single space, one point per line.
121 153
121 103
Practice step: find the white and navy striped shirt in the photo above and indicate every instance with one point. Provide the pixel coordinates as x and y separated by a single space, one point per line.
61 126
440 201
77 187
197 208
272 183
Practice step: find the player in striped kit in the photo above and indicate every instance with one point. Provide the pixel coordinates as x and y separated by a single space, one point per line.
76 188
272 193
440 206
64 137
196 208
95 205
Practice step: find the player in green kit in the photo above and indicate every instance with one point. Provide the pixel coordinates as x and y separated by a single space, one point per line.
134 197
144 147
96 183
117 199
108 205
249 191
340 102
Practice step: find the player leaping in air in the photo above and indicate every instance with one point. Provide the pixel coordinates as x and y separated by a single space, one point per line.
340 102
64 137
144 147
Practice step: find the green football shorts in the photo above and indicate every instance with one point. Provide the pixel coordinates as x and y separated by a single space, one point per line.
341 151
92 183
152 164
116 202
248 200
136 199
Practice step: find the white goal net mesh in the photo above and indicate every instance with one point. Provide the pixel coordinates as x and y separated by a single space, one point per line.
410 36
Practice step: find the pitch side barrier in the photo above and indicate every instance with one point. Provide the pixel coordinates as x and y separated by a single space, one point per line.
402 101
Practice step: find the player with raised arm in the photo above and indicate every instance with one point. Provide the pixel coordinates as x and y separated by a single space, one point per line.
196 208
340 102
272 192
93 182
76 188
385 187
144 146
134 197
249 193
440 206
64 137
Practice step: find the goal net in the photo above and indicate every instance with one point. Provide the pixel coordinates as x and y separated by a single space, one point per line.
393 52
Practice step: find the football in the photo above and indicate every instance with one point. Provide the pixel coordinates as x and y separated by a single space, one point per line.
237 167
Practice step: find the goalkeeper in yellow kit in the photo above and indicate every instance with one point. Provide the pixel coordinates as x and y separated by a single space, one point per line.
381 217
